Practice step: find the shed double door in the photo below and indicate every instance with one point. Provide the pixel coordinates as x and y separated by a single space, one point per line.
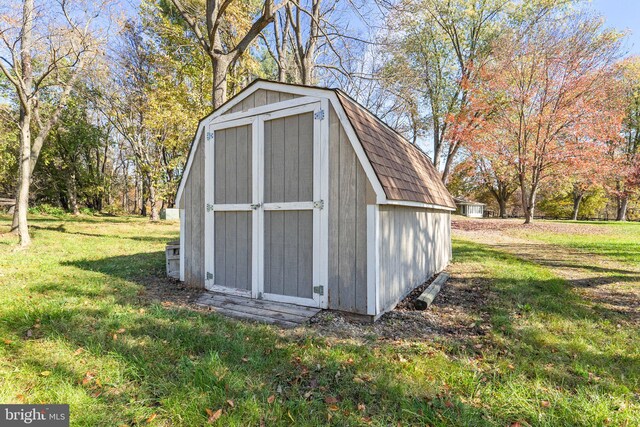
267 206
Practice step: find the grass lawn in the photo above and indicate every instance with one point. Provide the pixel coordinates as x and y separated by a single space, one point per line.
621 240
76 327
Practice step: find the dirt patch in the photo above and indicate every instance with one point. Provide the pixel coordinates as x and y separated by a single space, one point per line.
456 312
492 225
168 292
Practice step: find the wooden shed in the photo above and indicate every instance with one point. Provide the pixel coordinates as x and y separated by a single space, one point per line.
299 195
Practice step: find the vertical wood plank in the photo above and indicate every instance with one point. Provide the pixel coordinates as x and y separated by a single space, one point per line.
361 241
230 165
277 161
305 254
305 157
277 251
273 97
347 225
291 160
220 166
290 253
219 248
231 244
267 161
242 166
334 209
261 97
243 251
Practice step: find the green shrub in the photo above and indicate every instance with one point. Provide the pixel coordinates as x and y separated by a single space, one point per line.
47 209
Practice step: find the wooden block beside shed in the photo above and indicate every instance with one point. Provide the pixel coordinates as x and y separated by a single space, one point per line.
173 259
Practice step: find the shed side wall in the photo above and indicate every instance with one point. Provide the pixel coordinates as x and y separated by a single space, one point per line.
193 198
415 244
349 193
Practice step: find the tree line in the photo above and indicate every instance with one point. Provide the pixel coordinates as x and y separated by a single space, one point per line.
510 99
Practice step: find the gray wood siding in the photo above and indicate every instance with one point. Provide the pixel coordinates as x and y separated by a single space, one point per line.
288 254
232 165
232 249
288 177
288 159
260 98
415 244
193 204
349 193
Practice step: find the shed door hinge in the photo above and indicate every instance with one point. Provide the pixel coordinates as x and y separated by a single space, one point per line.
209 276
209 207
318 290
319 115
318 204
209 136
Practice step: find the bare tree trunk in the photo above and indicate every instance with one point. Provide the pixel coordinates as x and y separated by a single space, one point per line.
219 91
623 202
528 201
22 205
153 201
502 204
577 200
72 193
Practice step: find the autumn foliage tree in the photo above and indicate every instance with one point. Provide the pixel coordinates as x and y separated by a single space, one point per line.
624 152
545 97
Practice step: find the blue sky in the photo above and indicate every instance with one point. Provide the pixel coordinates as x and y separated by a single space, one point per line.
622 15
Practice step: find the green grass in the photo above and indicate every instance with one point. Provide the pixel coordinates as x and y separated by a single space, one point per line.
621 241
82 282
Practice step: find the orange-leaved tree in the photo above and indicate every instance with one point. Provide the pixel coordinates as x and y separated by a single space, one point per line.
546 97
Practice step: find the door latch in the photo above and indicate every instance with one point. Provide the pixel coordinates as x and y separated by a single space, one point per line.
256 206
318 204
318 290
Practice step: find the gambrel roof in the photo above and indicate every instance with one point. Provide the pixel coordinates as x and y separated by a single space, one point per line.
399 172
405 172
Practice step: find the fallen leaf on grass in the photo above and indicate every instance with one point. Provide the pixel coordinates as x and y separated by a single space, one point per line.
78 351
333 407
244 359
271 398
213 416
230 403
29 333
121 331
7 342
545 404
115 337
152 417
20 397
329 400
45 373
361 407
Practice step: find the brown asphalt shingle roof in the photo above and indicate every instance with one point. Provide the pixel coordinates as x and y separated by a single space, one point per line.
405 172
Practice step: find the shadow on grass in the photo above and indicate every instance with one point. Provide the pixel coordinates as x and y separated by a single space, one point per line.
168 355
553 354
62 229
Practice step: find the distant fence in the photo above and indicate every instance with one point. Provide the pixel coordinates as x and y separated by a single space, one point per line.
7 203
